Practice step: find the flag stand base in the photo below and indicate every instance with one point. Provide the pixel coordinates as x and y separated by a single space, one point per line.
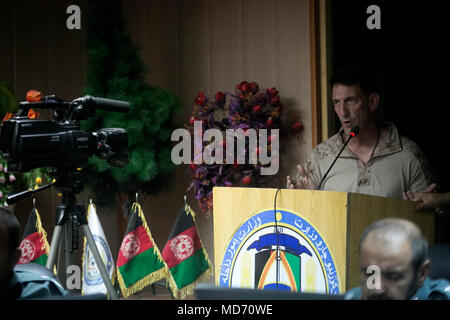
69 214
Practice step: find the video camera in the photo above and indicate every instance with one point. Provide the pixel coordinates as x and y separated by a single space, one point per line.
27 143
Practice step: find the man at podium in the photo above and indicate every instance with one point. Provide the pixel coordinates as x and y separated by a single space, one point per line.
394 264
377 160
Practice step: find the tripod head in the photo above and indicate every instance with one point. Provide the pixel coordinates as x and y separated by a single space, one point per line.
69 183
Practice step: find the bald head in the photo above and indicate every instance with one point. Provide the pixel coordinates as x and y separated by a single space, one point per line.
399 251
395 234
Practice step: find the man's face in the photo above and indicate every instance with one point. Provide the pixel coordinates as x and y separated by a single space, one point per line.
398 279
352 106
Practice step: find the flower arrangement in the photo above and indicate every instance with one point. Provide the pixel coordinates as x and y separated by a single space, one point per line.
250 107
6 182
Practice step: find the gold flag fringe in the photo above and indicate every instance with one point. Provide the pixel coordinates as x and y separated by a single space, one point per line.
189 289
155 275
41 231
142 283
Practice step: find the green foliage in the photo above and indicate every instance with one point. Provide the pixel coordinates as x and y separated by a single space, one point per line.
8 101
116 72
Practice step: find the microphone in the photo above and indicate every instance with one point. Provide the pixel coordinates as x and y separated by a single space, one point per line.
104 104
353 133
277 233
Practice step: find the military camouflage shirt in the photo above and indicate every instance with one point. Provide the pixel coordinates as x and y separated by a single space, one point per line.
395 167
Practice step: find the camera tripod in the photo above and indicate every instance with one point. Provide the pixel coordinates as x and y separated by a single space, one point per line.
69 214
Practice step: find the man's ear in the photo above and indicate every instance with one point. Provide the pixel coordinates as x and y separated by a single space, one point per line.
424 270
15 256
374 101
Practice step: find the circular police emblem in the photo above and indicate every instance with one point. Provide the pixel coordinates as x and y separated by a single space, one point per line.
291 256
28 251
182 246
92 274
130 246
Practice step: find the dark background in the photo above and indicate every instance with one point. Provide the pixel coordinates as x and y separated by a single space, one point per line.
411 56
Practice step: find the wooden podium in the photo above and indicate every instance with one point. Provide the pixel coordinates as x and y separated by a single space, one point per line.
333 222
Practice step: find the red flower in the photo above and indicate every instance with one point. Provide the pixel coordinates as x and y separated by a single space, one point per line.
275 100
259 97
220 97
200 99
297 126
257 109
254 87
244 87
269 122
246 180
272 92
192 120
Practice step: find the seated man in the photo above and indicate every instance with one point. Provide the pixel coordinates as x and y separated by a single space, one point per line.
378 161
20 284
398 250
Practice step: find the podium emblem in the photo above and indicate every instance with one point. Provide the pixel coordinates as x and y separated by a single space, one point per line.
279 252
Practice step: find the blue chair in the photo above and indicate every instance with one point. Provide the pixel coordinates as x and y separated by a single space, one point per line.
36 268
46 274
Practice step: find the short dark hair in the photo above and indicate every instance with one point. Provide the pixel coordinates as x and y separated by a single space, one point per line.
12 225
418 243
356 74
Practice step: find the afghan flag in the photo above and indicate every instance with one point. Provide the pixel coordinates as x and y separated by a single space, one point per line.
34 246
185 256
139 262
